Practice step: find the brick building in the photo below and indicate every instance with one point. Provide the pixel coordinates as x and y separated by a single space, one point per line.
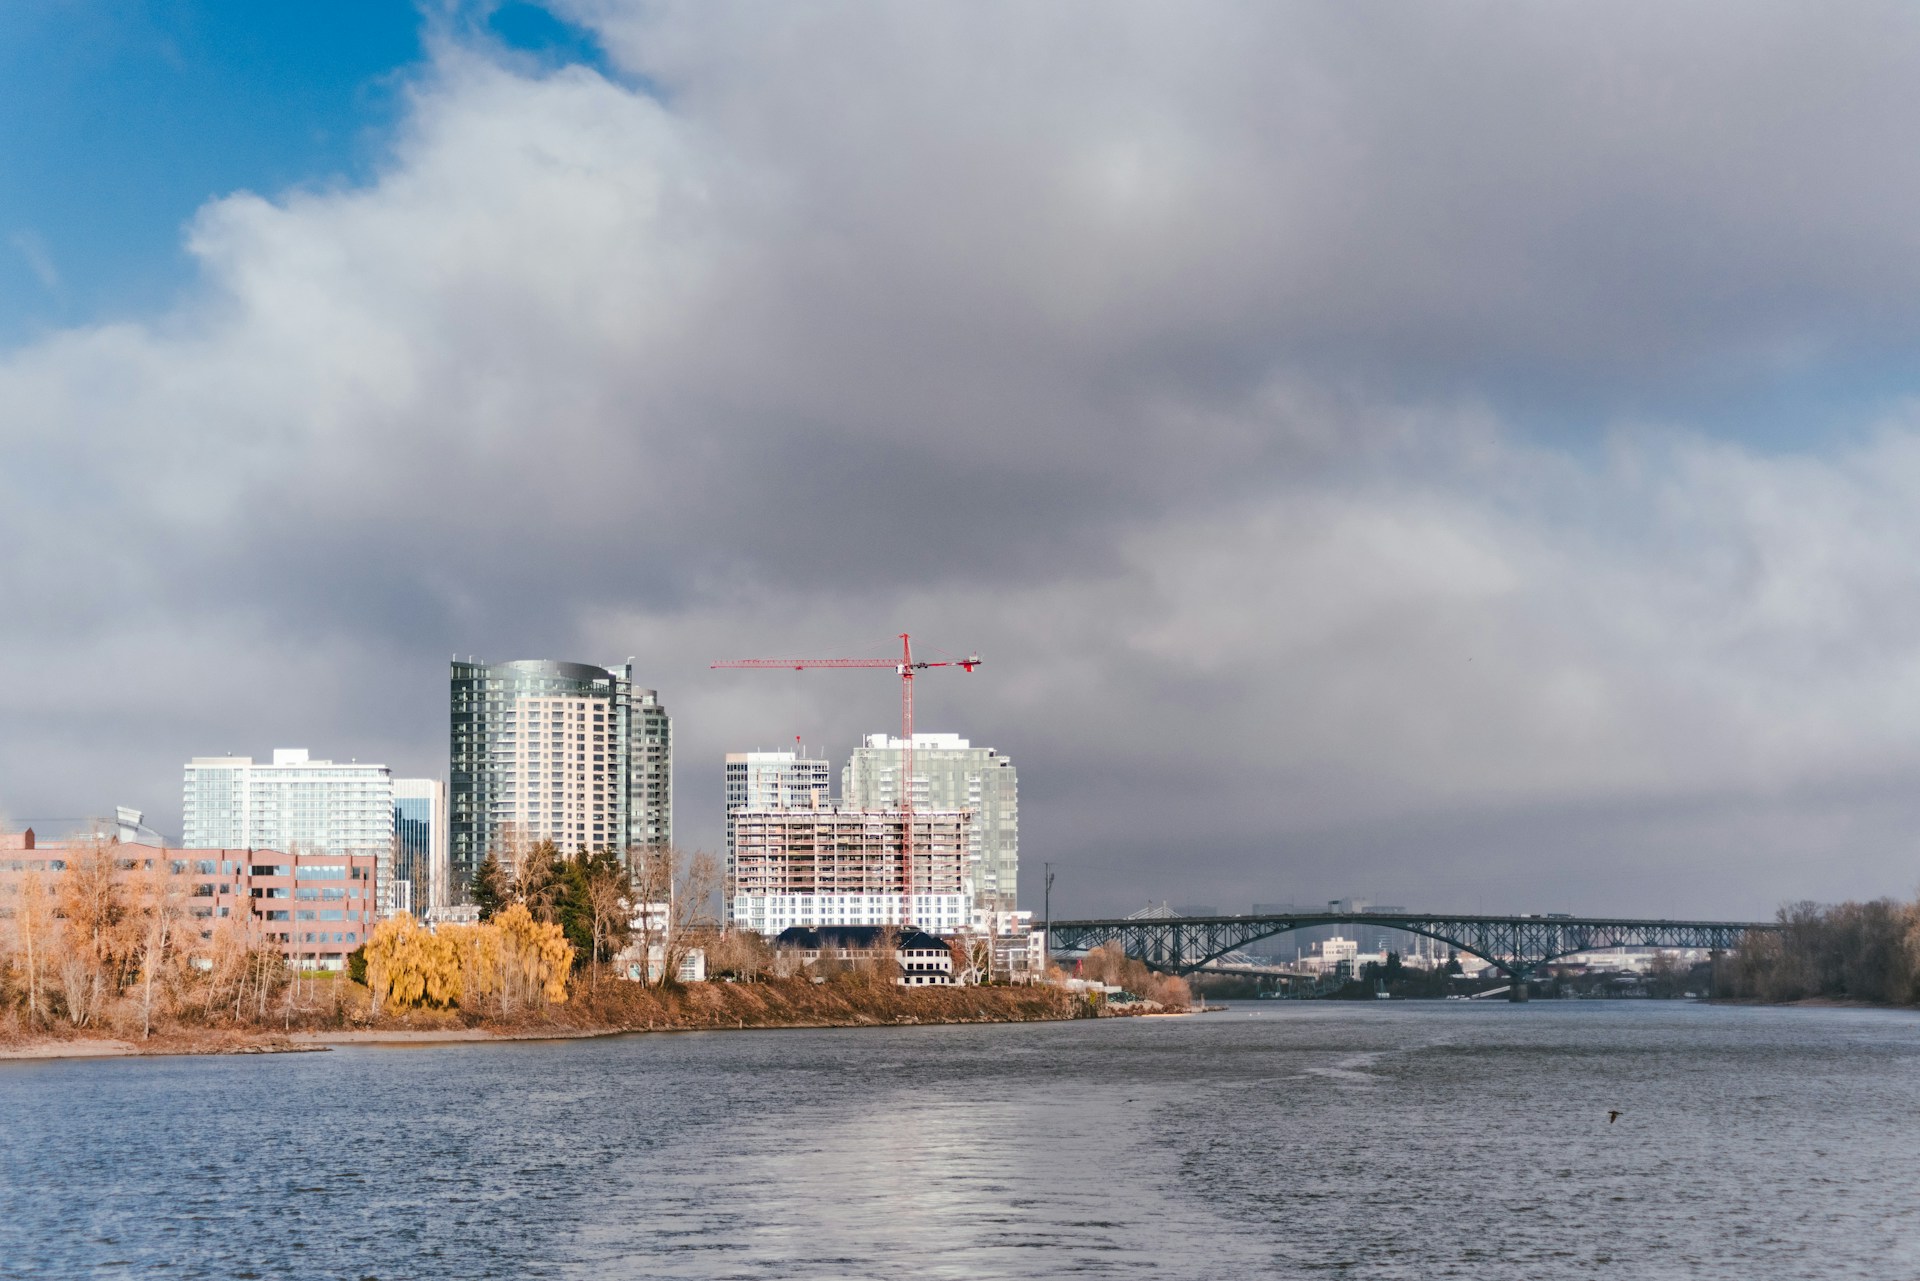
316 908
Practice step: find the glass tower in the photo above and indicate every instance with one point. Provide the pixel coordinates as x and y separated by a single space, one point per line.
951 773
549 751
419 846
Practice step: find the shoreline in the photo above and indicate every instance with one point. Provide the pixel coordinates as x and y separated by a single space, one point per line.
321 1042
717 1012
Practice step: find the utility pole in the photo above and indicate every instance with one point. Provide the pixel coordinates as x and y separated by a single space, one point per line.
1046 946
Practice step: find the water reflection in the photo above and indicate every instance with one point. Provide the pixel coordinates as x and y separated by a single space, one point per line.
1399 1141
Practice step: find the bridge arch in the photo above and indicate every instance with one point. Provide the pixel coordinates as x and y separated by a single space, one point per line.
1459 946
1515 945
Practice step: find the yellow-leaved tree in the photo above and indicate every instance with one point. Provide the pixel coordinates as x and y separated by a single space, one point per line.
407 965
536 959
476 954
513 957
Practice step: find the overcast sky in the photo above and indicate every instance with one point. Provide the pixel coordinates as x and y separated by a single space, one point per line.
1459 455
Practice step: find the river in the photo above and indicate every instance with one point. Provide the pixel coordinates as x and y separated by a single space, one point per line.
1379 1141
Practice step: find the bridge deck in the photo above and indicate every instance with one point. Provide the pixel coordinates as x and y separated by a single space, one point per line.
1515 944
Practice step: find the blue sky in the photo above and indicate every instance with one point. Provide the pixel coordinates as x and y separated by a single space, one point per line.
125 116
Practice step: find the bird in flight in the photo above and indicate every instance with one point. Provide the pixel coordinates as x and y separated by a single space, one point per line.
1612 1116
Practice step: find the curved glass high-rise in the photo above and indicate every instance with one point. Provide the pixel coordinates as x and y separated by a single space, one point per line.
561 752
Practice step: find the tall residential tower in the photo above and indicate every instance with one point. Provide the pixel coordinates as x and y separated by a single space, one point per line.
949 773
561 752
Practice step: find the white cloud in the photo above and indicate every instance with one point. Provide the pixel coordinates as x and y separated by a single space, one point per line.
1209 372
32 248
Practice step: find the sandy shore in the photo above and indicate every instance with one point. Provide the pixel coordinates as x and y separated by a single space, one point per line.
88 1048
434 1036
69 1050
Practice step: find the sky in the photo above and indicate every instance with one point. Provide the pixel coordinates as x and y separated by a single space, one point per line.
1462 456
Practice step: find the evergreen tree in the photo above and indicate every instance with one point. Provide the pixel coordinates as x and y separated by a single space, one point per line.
491 889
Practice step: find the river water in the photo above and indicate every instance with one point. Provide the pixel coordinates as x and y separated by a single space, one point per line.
1389 1141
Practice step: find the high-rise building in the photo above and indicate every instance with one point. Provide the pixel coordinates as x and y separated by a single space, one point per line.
561 752
420 846
949 773
832 864
772 780
295 805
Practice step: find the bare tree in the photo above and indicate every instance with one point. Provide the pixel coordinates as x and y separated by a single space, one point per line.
650 874
33 931
161 903
93 952
885 966
691 911
972 958
609 907
740 953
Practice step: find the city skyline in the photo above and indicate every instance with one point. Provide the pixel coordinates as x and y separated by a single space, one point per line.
1472 465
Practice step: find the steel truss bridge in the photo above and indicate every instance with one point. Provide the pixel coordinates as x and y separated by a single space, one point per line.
1516 945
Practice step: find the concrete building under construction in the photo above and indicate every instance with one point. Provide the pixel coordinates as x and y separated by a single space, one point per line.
833 864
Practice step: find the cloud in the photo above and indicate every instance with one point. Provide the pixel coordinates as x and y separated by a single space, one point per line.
1297 410
33 250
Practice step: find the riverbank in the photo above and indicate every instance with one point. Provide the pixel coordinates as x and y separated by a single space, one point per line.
615 1009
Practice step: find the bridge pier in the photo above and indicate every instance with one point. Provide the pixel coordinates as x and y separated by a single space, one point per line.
1517 993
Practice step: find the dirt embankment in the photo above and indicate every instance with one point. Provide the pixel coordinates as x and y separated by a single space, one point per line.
616 1007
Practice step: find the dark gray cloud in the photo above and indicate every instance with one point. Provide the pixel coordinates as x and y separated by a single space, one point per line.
1320 418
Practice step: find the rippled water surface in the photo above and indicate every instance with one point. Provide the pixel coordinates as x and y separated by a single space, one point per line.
1441 1140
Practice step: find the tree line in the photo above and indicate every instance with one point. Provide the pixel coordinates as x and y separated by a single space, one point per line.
1108 964
110 945
1846 951
657 900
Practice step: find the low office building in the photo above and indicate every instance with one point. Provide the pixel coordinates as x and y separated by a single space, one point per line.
315 908
841 865
923 960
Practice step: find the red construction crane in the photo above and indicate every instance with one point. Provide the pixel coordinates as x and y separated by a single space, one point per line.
906 665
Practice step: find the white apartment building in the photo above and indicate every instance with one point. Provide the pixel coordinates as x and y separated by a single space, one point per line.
295 805
949 773
1332 954
836 864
